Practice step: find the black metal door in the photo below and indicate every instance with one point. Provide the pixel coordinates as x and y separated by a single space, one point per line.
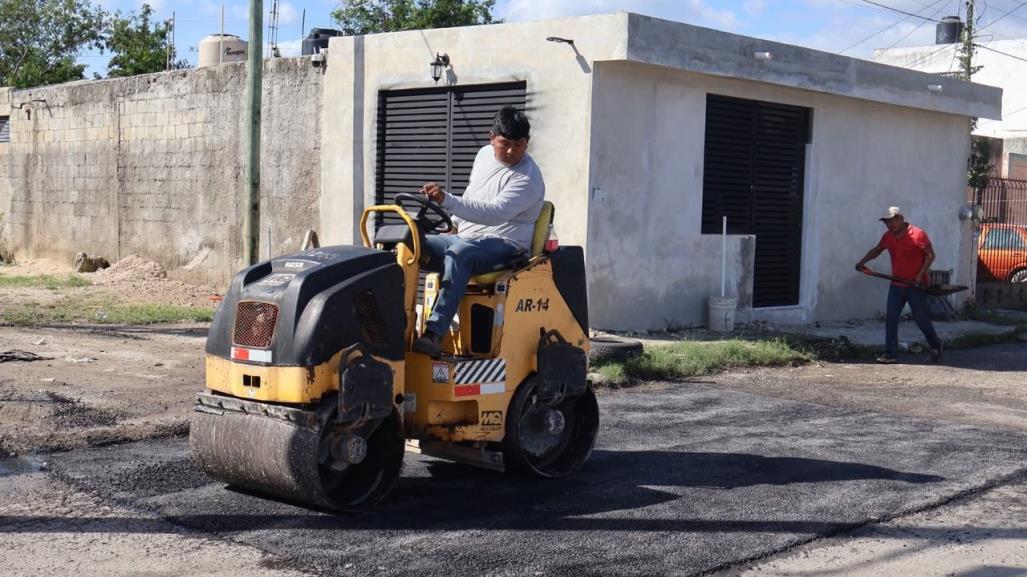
433 134
754 168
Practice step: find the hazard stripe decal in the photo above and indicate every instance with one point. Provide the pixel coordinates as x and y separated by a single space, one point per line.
484 371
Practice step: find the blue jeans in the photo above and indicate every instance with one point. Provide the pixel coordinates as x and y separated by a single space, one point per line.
898 296
458 260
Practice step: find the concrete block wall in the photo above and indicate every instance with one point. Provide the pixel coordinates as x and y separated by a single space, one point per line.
154 165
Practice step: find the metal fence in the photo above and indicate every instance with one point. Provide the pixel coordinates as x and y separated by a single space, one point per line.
1002 243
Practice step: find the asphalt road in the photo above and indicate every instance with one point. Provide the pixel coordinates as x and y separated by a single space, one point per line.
687 478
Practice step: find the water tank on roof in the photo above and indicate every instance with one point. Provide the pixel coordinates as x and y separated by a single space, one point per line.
948 31
317 40
218 48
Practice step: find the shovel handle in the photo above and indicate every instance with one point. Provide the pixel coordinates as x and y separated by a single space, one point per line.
866 270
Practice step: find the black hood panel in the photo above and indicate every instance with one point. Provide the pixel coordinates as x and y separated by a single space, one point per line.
328 299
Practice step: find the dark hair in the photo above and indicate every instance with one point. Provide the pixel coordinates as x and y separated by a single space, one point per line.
511 123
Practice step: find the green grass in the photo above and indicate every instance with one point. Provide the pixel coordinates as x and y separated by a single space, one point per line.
687 359
48 281
95 310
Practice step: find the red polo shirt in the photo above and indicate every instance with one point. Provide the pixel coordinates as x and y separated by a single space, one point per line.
907 252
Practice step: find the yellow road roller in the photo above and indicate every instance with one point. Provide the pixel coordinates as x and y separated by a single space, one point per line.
313 393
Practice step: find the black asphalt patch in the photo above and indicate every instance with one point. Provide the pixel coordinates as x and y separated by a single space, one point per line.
686 478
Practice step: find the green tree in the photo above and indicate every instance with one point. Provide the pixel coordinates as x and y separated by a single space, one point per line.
40 39
138 45
370 16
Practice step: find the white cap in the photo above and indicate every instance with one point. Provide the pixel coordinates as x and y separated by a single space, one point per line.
893 211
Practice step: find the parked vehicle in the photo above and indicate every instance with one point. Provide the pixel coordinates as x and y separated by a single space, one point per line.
1002 253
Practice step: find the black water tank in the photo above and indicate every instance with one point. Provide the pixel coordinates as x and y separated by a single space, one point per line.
948 31
317 40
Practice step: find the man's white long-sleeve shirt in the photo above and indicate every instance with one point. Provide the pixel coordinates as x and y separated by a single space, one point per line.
500 201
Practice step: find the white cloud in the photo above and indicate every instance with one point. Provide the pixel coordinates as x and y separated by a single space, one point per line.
708 14
290 48
753 6
288 14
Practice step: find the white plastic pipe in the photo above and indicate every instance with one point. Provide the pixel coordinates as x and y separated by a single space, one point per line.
723 259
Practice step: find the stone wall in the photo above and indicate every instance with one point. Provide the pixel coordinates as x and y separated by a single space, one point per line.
154 165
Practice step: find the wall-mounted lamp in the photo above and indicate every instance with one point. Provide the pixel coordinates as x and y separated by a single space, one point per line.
558 39
936 88
762 55
439 65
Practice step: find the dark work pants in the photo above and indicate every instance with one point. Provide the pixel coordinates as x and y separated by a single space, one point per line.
458 260
898 296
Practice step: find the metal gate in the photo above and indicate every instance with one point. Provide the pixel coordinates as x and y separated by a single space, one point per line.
1002 244
754 171
433 134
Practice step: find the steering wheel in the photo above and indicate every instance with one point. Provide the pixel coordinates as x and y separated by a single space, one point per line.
426 224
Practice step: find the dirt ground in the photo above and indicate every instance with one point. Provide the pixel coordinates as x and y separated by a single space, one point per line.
99 385
133 279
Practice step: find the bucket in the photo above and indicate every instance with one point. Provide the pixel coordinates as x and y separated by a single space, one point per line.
722 314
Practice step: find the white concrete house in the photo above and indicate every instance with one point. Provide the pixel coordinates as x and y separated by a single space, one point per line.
1000 67
647 132
1004 64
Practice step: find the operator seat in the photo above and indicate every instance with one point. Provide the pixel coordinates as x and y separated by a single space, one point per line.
538 242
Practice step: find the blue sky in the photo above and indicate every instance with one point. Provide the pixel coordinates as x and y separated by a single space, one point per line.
854 27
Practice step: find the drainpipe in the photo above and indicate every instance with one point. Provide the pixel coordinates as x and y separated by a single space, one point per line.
254 72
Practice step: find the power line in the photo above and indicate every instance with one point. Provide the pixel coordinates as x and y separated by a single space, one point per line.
911 32
928 56
899 11
1005 116
887 28
1006 13
1000 52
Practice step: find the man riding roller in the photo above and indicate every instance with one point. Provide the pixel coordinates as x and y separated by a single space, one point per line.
911 257
494 220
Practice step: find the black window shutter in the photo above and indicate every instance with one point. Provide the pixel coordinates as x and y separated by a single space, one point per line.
754 168
434 134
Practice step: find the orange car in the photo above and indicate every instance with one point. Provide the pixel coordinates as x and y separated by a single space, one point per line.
1002 253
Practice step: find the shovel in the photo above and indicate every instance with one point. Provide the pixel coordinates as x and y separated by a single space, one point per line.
936 290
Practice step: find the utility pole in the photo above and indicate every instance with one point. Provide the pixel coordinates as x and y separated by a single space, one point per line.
221 39
254 75
169 63
272 31
968 41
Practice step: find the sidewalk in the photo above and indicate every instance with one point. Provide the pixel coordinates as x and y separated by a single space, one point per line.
870 334
866 336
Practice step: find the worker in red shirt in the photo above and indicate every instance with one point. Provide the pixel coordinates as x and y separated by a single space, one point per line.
911 258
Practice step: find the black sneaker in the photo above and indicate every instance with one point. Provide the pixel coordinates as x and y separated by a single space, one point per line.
936 353
887 360
429 344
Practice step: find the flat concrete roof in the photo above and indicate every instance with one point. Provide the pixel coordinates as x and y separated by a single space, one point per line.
707 51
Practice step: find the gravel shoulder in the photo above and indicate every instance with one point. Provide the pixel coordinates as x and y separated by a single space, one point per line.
101 385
